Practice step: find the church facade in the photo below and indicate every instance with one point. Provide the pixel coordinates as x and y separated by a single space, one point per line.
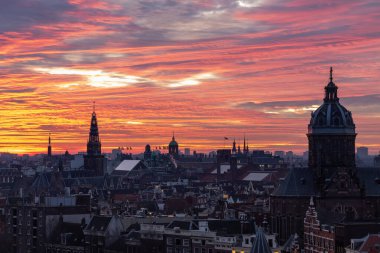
342 192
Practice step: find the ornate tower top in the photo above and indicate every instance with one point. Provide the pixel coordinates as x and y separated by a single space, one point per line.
173 146
93 144
331 117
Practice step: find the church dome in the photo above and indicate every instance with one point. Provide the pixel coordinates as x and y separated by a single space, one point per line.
173 143
331 117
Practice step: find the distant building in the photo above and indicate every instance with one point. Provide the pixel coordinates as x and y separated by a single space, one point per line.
377 161
173 147
147 152
331 176
362 152
279 153
32 221
187 152
101 232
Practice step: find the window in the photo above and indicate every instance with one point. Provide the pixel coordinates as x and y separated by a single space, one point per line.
169 250
178 242
203 242
169 241
185 242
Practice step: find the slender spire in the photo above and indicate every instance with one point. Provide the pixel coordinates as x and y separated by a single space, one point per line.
93 144
49 146
244 148
173 138
234 146
331 74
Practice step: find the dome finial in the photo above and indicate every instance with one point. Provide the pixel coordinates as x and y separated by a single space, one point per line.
331 74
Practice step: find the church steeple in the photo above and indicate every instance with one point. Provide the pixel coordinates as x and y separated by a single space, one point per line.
234 147
244 147
93 144
49 146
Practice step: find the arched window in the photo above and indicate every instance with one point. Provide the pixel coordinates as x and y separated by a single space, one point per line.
336 121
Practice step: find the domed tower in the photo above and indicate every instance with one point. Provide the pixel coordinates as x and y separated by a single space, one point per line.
147 152
331 135
173 147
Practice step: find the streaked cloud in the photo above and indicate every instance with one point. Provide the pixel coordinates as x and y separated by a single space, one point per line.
204 69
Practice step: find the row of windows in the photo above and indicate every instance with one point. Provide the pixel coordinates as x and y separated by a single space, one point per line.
177 241
174 250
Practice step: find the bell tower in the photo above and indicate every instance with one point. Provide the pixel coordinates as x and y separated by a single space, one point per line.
331 135
94 160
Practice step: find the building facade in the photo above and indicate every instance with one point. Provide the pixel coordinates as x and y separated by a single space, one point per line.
339 187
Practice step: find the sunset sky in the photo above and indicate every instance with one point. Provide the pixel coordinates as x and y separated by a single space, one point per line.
203 69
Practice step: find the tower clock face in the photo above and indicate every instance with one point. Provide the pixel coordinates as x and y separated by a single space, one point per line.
345 209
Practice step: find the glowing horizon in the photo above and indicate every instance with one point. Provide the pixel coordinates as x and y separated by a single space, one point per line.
203 69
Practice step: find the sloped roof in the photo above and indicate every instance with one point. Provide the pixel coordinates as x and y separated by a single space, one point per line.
99 223
255 176
184 225
371 244
260 244
298 182
127 165
224 168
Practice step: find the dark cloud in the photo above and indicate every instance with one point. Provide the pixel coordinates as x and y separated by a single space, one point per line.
17 90
23 14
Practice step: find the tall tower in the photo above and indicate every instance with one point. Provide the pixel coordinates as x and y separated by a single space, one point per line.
49 147
94 147
331 135
94 160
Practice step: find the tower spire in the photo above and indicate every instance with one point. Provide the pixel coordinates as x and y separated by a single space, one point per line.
93 144
244 148
49 146
234 146
331 74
